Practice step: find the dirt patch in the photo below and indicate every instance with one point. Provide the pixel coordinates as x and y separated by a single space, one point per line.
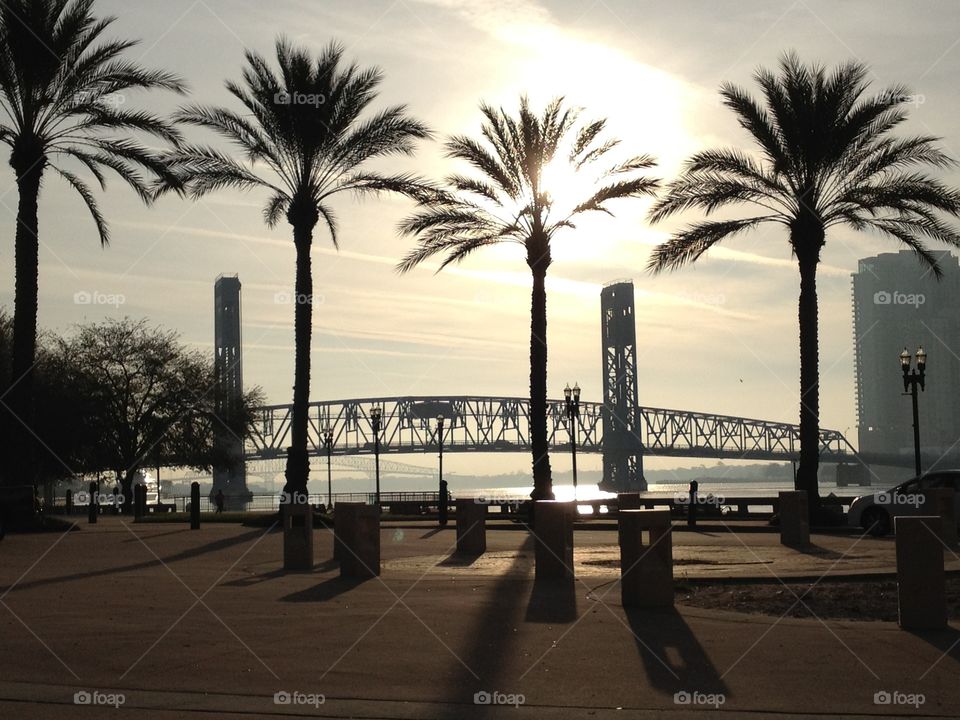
866 600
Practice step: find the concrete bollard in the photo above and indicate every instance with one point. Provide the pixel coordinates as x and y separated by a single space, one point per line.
297 533
940 502
357 532
628 501
921 583
471 527
794 519
553 556
68 502
646 570
194 505
93 508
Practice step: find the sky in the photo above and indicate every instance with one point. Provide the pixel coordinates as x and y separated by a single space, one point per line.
719 337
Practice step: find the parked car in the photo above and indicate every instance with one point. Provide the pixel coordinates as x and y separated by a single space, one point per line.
874 513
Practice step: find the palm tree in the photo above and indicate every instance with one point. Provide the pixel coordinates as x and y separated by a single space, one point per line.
62 97
303 140
511 202
827 157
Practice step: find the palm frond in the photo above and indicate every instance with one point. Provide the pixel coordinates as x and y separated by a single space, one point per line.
275 209
689 244
463 148
331 222
89 200
407 185
635 187
708 191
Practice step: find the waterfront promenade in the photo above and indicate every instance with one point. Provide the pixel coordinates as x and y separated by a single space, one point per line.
205 624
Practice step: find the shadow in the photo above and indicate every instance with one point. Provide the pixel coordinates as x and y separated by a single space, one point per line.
552 602
214 546
492 643
457 559
431 533
672 656
945 641
819 551
255 579
164 534
327 590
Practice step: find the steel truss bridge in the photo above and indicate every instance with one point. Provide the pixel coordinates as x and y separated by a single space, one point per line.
501 424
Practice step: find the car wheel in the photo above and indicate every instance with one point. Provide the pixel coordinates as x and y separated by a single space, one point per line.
876 521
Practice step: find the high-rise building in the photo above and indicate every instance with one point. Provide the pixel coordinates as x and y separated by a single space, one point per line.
897 303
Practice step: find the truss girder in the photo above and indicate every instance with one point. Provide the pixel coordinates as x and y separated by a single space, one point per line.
496 424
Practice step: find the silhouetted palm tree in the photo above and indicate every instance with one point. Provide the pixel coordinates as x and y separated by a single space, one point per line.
304 140
510 203
827 158
62 98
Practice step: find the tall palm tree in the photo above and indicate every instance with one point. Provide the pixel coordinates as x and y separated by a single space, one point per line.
62 98
303 139
511 201
827 157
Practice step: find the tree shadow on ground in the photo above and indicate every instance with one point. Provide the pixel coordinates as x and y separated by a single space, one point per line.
327 590
672 656
492 639
214 546
552 602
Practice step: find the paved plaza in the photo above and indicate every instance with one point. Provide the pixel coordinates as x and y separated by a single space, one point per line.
182 623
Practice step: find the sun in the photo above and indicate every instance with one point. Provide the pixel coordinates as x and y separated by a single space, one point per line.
566 186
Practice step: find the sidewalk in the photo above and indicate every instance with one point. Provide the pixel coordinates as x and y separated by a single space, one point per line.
185 622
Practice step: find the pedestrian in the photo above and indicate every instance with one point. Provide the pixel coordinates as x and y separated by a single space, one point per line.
692 507
218 499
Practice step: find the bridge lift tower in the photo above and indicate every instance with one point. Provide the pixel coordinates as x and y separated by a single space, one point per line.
622 444
229 475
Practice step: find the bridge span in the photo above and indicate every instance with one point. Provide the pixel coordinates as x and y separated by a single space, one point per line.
501 424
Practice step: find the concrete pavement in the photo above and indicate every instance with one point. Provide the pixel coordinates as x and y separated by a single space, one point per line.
185 622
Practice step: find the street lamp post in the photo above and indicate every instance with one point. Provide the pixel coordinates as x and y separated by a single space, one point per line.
912 379
442 506
572 399
328 442
376 414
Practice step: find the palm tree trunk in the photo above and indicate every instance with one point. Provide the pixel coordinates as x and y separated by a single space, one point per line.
20 398
809 380
298 462
542 480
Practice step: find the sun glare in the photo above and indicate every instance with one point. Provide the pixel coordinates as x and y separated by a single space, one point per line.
565 186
